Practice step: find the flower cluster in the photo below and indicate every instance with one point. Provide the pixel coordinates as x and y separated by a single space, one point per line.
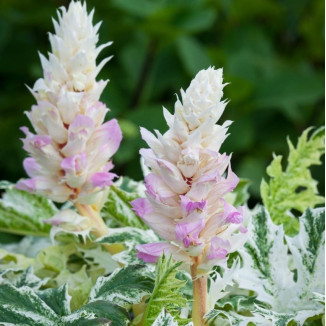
71 150
189 179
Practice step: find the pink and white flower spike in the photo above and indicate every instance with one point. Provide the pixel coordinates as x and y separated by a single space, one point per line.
71 150
189 179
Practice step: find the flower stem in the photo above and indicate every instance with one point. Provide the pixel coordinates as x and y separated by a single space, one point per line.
99 227
199 305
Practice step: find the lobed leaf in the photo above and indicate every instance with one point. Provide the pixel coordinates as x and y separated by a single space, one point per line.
23 306
288 284
129 237
24 213
294 188
125 286
166 293
118 208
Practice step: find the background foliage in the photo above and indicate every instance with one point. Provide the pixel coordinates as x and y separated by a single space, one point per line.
272 52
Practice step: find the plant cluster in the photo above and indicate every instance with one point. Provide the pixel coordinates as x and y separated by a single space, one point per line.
180 248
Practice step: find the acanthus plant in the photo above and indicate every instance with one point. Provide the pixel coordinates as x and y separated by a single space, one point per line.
187 186
207 259
71 150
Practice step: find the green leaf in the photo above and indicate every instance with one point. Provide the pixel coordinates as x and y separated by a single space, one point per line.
13 261
294 188
98 313
125 286
286 283
166 293
164 319
23 306
118 208
231 318
129 237
24 213
57 299
192 55
19 278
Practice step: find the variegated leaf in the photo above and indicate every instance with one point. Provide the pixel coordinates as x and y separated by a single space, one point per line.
129 237
23 306
285 282
125 286
24 213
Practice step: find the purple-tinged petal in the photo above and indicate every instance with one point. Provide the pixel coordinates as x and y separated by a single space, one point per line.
188 206
107 138
74 164
232 214
102 179
219 248
141 206
188 232
26 185
31 167
151 251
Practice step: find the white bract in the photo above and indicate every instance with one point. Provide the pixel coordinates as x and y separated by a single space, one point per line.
71 150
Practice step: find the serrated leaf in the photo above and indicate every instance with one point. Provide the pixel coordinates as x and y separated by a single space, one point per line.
118 208
19 278
24 213
164 319
14 261
129 237
231 318
284 282
218 283
294 188
125 286
166 293
65 264
239 303
98 313
23 306
57 299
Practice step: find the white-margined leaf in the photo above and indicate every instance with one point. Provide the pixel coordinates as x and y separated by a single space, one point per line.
285 282
164 319
125 286
118 208
24 213
129 237
23 306
19 278
218 317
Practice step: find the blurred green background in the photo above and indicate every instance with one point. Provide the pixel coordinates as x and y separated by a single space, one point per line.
272 52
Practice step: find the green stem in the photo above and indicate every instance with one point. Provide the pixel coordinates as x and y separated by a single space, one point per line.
199 305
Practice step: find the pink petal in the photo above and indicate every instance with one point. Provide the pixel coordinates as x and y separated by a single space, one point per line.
188 232
102 179
141 206
31 167
26 185
219 248
151 251
188 206
74 164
